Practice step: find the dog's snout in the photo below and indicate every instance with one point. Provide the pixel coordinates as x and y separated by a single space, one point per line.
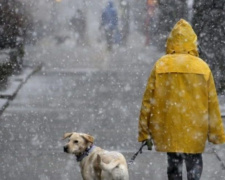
66 149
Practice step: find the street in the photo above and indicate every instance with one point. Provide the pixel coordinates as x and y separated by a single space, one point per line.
85 90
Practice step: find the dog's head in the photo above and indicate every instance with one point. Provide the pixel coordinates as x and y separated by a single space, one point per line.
78 142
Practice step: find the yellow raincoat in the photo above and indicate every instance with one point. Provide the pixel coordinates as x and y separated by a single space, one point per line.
180 109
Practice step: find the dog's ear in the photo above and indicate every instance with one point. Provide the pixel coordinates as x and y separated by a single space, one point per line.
88 137
67 135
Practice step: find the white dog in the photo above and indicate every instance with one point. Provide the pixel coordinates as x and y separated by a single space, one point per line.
96 163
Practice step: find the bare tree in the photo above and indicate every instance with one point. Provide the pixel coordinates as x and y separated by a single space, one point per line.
15 23
169 12
209 24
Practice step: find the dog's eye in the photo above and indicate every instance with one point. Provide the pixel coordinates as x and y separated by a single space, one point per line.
75 142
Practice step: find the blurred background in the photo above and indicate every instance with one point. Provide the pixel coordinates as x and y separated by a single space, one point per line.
93 59
26 22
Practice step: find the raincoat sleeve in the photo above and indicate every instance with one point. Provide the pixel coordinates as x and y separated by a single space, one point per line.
143 128
216 129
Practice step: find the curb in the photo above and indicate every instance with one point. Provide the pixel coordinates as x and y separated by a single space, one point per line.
15 83
3 104
222 104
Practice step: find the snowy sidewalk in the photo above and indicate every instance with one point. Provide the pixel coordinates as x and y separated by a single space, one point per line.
102 99
14 84
153 165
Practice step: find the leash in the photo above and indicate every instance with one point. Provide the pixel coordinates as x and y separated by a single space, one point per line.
135 155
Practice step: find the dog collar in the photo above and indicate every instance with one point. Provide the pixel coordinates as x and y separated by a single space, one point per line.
86 153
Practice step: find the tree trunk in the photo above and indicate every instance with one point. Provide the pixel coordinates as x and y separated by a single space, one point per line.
169 12
209 25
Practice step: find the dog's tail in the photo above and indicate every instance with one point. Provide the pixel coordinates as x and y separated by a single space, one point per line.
107 166
114 167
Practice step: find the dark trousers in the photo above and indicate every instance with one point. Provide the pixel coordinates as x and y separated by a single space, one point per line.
194 166
109 38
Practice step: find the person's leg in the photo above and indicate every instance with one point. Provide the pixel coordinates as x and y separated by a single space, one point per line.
109 39
175 163
194 165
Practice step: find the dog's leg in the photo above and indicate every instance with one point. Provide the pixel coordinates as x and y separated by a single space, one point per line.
98 171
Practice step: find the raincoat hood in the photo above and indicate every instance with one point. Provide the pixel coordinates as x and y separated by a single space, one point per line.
182 39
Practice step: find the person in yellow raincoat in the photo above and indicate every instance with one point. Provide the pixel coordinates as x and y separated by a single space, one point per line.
180 109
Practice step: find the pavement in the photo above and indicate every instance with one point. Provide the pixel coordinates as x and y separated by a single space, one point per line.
88 90
14 83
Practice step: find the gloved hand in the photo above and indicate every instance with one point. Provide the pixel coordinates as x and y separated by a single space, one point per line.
148 143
